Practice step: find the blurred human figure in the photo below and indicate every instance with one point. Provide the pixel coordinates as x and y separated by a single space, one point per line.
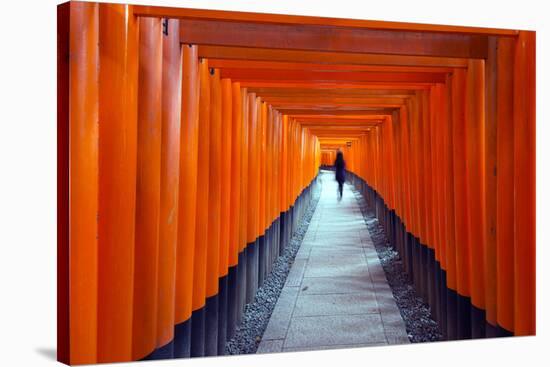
340 172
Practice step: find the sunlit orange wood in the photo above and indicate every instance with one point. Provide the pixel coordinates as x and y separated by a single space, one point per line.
524 185
367 92
268 54
63 296
332 39
169 185
441 158
316 100
245 146
505 185
236 172
339 113
253 170
281 65
262 136
475 176
188 193
268 165
226 173
427 172
118 86
490 184
284 164
144 323
463 264
183 13
83 170
203 175
334 84
215 185
331 76
449 186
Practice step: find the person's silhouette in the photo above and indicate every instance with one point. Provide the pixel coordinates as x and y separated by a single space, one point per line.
340 172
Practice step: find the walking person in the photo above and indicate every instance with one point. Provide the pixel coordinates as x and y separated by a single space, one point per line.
340 172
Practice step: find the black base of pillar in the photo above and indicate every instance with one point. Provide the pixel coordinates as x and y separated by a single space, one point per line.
436 307
464 328
197 333
182 339
431 279
222 314
164 352
416 265
282 232
410 255
492 331
423 272
452 318
477 322
262 253
211 326
241 286
251 270
232 301
443 303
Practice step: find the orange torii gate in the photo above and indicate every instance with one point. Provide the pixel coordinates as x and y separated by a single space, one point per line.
189 140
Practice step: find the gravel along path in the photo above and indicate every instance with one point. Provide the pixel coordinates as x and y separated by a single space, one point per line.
416 314
256 315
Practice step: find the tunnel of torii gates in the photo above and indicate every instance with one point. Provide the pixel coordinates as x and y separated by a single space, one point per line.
189 141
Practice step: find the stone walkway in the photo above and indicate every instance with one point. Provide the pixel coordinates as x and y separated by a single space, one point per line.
336 294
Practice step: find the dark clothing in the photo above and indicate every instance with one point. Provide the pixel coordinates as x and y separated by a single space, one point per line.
340 167
340 170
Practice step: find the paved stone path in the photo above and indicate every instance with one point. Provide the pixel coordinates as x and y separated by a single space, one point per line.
336 294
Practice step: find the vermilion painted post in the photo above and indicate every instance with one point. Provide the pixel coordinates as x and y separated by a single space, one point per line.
425 177
434 177
403 122
201 228
413 169
118 96
253 171
490 187
252 197
243 237
225 219
187 199
505 185
475 189
461 203
524 185
169 187
262 235
63 214
81 158
243 240
450 236
269 189
415 125
236 164
235 266
214 215
284 180
262 123
440 119
227 116
144 323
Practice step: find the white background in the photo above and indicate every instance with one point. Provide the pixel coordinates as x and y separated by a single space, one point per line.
28 181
